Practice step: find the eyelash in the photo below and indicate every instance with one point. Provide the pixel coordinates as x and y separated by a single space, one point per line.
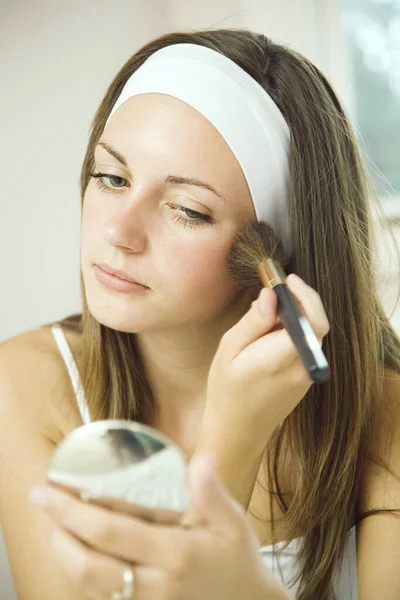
199 220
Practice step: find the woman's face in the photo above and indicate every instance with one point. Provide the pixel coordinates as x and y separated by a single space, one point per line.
173 237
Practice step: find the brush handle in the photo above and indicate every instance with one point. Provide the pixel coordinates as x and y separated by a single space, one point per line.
302 335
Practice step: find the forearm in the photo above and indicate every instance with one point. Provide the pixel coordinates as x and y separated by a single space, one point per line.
237 455
270 589
280 594
237 461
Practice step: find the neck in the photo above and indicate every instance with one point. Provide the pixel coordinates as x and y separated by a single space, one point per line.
178 379
177 365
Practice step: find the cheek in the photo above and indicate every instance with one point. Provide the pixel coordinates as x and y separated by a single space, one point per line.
93 218
88 214
91 213
200 269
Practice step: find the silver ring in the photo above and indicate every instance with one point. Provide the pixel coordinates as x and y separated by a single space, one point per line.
128 590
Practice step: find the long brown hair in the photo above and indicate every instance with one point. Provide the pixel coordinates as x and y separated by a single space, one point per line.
333 231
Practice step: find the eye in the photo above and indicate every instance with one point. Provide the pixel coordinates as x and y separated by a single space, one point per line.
115 179
193 218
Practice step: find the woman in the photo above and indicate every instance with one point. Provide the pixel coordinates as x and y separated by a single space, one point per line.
165 188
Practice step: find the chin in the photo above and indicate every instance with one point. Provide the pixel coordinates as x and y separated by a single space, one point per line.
118 324
116 319
116 312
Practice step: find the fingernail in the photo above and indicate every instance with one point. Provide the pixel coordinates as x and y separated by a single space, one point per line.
38 497
263 302
295 278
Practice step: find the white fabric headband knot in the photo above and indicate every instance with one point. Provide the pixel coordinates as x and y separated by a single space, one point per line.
240 109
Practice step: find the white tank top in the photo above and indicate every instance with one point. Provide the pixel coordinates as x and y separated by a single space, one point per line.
284 566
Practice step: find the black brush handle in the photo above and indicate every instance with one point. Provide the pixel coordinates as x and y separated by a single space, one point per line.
302 334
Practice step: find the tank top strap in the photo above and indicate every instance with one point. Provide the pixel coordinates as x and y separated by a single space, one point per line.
70 363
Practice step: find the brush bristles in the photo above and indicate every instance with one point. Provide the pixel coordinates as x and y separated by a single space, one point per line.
255 242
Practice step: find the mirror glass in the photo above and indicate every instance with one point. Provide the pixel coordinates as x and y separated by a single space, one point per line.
127 461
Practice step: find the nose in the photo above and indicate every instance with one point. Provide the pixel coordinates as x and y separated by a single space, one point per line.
127 227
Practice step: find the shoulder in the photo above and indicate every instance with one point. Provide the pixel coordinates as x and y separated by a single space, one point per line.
387 419
35 383
378 529
36 407
392 388
383 450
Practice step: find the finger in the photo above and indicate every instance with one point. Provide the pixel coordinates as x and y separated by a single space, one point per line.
311 305
251 326
93 575
278 344
96 576
162 516
212 500
124 536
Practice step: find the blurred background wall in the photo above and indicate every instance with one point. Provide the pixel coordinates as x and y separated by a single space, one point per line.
56 61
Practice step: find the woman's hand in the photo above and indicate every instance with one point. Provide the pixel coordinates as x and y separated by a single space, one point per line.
257 377
218 560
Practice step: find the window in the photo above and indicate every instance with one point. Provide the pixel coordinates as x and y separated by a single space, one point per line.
372 29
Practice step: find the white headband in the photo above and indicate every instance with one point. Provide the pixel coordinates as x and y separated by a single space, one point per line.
240 109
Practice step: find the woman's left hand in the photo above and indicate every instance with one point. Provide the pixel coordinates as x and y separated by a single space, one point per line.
217 560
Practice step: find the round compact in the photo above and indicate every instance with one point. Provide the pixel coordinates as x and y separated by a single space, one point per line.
123 460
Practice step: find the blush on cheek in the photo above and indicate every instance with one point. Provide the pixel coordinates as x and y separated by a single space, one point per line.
203 273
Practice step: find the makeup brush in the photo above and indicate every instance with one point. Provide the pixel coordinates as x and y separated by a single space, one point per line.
257 255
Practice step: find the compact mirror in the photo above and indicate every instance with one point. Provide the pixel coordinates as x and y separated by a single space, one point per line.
123 460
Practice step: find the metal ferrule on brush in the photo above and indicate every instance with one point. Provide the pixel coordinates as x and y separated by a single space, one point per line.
271 273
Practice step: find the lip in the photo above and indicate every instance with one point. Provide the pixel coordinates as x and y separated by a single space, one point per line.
118 273
117 284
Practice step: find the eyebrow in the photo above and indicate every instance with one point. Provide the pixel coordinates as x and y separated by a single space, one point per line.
170 179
